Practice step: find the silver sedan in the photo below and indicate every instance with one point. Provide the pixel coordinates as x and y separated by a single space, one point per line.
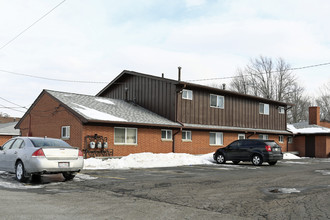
26 156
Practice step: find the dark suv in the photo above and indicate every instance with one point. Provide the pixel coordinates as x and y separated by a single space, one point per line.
255 150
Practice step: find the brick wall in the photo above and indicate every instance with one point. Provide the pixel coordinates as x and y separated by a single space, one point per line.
47 118
4 139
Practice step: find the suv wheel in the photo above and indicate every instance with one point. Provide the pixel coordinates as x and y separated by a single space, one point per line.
221 159
257 160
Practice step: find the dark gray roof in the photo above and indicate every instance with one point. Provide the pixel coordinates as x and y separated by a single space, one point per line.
238 129
9 129
102 109
306 128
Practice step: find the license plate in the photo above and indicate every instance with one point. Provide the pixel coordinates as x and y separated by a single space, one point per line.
276 149
63 164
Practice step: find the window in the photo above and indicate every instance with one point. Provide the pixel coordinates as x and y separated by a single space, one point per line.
167 135
17 144
7 145
216 138
263 136
187 94
290 139
281 110
217 101
186 135
281 139
65 132
264 109
241 136
126 136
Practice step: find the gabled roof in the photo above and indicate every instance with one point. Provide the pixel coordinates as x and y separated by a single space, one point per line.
183 84
106 110
9 129
306 128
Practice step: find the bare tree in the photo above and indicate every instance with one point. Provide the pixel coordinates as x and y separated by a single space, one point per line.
265 78
324 101
298 112
271 79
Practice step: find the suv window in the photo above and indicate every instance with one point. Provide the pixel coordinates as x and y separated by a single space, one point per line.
234 145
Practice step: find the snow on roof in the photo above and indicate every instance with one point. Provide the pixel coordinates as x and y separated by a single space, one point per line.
9 129
306 128
92 113
112 110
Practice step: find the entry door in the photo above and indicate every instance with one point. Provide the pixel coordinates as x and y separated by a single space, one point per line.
310 146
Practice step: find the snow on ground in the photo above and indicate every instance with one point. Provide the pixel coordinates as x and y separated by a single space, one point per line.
149 160
289 156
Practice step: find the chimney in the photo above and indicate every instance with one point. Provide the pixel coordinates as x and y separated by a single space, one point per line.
224 86
179 73
162 75
314 115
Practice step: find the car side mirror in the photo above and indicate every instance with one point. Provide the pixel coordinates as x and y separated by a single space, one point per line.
1 148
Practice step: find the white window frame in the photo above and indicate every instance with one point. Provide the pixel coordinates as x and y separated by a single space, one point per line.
65 132
264 110
187 94
281 110
281 139
241 136
218 139
186 138
167 138
218 103
125 143
263 136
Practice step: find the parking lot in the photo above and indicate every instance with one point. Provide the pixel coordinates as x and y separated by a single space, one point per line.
292 189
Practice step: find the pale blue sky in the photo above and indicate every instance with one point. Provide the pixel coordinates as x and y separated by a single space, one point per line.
95 40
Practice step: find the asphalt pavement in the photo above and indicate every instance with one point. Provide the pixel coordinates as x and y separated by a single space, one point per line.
292 189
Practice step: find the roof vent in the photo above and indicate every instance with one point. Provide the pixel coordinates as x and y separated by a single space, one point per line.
179 73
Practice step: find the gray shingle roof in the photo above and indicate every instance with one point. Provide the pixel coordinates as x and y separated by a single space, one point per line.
9 129
102 109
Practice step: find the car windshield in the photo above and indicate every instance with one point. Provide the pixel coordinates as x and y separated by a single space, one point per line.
47 142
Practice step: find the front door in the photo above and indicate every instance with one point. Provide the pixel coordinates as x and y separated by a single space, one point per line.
310 146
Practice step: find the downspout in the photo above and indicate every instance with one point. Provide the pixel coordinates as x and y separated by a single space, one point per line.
252 133
29 134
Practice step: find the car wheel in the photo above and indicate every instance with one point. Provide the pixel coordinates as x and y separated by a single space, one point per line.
272 163
236 162
257 160
68 175
220 159
20 172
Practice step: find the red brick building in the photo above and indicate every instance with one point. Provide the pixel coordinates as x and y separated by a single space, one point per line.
312 138
7 131
142 113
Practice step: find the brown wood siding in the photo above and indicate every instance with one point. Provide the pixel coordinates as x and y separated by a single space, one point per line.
155 95
237 112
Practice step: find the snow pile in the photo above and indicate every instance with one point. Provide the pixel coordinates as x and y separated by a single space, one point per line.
289 156
149 160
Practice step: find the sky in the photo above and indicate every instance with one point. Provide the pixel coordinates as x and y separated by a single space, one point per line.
94 41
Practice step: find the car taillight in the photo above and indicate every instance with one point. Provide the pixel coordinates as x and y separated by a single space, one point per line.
38 153
268 148
80 153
